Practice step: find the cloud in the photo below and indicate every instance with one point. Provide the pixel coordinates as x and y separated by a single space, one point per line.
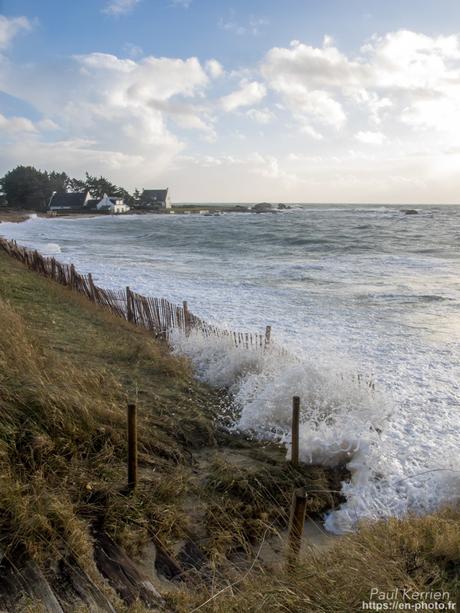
183 3
16 125
370 138
410 77
118 107
249 93
253 27
119 7
10 27
138 118
134 51
263 116
214 68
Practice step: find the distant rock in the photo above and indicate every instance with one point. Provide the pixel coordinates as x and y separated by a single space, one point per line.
283 207
261 207
410 212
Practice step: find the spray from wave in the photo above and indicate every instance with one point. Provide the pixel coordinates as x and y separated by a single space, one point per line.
342 415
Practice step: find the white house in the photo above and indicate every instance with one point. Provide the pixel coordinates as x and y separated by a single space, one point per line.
112 204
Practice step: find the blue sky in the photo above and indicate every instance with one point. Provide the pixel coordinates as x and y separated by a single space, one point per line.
353 101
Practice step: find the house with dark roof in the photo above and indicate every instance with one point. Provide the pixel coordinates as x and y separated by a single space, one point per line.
112 204
155 199
74 201
81 202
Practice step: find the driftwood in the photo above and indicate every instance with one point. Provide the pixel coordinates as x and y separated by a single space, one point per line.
123 575
63 589
24 585
72 586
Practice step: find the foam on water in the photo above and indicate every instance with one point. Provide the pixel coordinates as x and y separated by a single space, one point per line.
348 291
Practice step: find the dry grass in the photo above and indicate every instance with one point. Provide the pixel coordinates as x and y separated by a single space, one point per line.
67 370
13 216
417 553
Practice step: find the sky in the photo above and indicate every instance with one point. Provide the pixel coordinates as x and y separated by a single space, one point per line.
347 101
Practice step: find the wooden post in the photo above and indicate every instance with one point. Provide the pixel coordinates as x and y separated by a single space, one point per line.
186 318
296 523
268 333
295 430
92 290
129 305
132 446
72 277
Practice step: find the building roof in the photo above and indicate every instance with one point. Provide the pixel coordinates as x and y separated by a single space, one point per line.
74 200
92 203
154 195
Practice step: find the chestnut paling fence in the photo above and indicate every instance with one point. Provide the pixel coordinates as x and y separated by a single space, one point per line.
157 315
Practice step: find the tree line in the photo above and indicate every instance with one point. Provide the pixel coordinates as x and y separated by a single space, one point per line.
25 187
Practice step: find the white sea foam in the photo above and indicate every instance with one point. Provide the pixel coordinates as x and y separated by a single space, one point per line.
51 249
345 419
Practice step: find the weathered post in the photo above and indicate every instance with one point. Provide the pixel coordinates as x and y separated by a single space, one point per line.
132 446
73 283
129 305
296 524
92 289
295 430
268 333
186 318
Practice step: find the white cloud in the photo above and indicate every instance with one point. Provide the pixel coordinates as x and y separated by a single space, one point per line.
119 7
249 93
252 27
214 68
10 27
263 116
403 75
119 107
16 125
45 125
134 51
310 131
370 138
134 118
183 3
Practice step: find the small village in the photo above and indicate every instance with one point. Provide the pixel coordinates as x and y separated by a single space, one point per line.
54 194
150 201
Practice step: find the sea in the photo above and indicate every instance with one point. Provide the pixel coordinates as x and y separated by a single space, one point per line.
364 304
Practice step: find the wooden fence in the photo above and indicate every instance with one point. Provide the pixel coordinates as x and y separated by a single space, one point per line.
157 315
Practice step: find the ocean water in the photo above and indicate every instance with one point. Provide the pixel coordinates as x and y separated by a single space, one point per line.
366 300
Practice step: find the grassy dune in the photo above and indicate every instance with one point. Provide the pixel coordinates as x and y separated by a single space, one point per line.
206 499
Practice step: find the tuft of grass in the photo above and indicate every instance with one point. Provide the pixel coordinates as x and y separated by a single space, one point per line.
246 501
416 553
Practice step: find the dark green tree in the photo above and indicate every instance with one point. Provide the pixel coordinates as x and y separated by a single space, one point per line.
76 185
25 187
98 186
59 181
